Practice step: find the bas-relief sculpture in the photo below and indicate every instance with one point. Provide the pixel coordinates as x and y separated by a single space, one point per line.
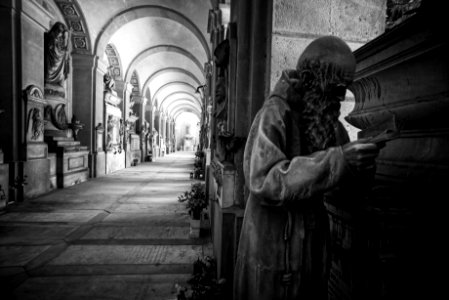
56 60
56 117
35 124
226 143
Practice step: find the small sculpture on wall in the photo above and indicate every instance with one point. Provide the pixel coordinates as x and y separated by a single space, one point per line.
109 83
227 145
56 59
35 123
75 126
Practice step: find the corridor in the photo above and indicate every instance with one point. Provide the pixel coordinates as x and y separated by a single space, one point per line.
121 236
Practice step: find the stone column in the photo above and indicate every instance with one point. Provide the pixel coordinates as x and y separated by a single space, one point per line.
172 135
163 133
11 120
156 133
83 101
127 92
98 165
167 135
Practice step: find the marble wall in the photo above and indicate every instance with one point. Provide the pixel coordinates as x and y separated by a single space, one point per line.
297 23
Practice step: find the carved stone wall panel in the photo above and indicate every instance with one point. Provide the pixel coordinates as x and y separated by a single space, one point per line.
404 91
76 21
35 103
393 232
35 123
114 62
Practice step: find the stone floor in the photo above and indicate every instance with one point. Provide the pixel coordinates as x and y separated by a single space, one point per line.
122 236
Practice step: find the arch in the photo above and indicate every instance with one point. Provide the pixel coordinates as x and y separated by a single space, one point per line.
183 94
181 101
170 69
114 61
161 48
75 20
185 108
143 11
170 76
172 83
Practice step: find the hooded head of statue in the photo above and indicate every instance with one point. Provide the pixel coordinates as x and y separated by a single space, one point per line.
323 73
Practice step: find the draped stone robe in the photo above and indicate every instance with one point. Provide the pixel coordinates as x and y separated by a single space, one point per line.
285 184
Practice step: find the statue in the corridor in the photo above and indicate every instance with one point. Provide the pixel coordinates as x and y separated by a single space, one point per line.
109 83
296 156
57 55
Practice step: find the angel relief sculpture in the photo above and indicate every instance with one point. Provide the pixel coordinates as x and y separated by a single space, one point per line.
35 124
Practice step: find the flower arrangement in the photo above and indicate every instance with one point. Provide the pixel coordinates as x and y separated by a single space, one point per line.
203 284
195 199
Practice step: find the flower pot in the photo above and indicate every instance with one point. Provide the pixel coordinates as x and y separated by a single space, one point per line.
195 226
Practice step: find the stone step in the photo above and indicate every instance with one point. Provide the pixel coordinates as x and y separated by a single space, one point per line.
75 148
62 138
67 143
134 286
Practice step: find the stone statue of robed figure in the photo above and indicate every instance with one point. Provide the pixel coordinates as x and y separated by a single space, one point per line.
56 59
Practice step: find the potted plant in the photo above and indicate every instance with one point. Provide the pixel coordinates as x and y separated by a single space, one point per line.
196 202
203 284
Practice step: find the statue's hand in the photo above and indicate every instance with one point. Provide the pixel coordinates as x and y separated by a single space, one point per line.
361 154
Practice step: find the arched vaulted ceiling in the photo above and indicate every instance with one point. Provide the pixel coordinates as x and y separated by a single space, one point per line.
163 41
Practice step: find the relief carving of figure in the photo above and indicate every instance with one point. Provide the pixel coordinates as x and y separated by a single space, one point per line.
57 55
35 123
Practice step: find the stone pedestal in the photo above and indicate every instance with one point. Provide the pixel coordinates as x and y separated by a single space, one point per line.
387 243
72 161
132 147
226 218
114 137
98 156
36 169
133 153
52 174
226 226
195 226
156 152
115 161
224 183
